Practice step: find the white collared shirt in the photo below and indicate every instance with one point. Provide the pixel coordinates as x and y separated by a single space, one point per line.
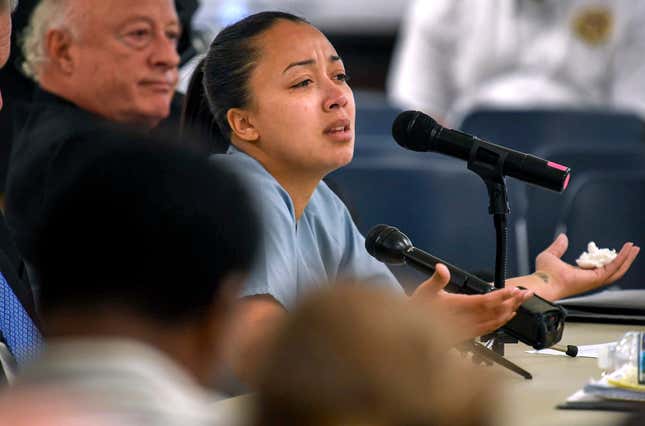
455 55
124 379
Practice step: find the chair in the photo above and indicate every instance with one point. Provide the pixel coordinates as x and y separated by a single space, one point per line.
375 118
544 208
607 209
437 202
384 146
527 130
374 114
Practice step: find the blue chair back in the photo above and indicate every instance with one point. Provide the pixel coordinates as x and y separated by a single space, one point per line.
544 208
607 209
375 120
374 114
527 130
384 146
436 201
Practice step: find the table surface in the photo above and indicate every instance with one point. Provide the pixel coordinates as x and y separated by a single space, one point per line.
529 402
533 402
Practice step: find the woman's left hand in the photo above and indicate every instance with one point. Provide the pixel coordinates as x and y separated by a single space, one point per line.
562 279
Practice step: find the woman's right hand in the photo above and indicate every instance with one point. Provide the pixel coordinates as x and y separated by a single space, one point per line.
469 315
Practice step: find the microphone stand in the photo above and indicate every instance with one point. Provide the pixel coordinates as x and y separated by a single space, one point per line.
498 207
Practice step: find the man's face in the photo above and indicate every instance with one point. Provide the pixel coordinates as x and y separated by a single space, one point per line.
125 61
5 40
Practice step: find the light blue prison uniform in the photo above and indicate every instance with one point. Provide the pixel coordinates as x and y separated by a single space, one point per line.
297 256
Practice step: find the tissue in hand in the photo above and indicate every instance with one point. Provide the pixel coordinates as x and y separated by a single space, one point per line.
595 257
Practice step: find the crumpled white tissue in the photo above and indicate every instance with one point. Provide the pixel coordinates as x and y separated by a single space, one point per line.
595 257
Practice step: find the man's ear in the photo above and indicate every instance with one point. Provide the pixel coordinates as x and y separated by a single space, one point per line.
59 44
242 125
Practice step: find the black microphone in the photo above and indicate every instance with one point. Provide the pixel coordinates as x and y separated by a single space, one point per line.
389 245
417 131
538 322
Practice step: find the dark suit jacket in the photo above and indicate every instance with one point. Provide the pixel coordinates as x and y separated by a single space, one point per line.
46 123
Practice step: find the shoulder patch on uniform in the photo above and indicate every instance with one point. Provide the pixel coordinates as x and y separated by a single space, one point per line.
593 25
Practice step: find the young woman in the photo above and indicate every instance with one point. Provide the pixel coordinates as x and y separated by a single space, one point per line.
272 93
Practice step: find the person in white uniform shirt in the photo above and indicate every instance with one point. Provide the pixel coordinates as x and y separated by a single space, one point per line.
454 56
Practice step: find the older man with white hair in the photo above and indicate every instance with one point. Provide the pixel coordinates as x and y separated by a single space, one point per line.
115 60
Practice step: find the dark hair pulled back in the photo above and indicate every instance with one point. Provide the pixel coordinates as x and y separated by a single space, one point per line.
220 81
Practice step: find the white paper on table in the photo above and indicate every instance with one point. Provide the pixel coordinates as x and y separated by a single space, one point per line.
584 351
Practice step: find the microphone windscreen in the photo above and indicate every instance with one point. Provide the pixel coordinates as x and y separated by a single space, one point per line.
414 130
387 244
372 237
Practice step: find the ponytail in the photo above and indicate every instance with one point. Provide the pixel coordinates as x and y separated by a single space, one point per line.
220 81
197 120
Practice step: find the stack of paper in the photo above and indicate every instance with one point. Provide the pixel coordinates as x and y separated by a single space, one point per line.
616 391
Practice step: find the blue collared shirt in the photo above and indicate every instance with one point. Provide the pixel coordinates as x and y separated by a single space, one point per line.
320 248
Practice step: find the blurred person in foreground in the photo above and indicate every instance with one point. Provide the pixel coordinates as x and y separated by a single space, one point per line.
161 238
114 60
455 56
273 96
353 355
33 408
